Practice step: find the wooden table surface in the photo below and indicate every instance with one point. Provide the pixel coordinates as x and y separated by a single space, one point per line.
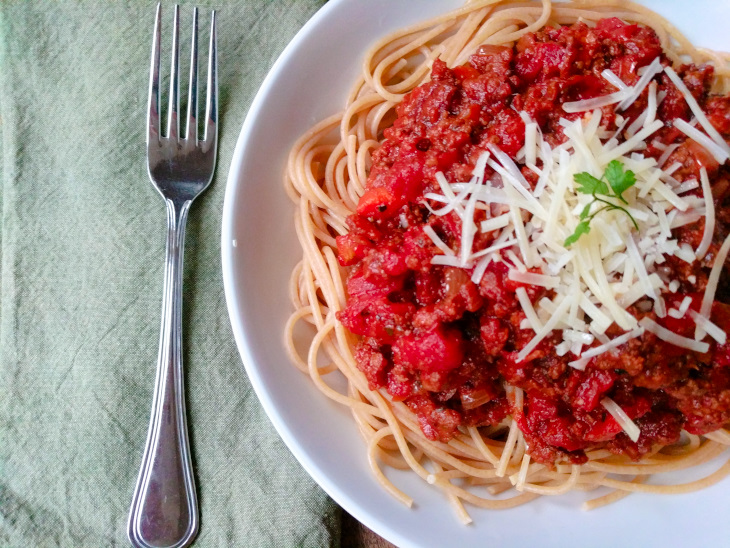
356 535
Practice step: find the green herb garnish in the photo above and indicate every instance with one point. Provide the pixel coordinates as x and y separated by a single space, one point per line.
618 182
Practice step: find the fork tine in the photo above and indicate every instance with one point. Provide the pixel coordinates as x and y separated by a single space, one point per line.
153 100
191 129
211 109
173 124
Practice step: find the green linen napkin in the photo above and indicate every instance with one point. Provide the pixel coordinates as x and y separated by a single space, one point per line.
81 249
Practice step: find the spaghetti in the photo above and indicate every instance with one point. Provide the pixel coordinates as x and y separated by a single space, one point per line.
499 463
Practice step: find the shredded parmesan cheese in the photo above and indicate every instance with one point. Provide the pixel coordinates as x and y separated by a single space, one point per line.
701 118
671 337
534 279
711 288
610 345
438 242
710 328
597 102
709 215
626 424
700 138
654 68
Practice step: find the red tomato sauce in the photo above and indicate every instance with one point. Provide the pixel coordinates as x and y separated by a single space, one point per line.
446 346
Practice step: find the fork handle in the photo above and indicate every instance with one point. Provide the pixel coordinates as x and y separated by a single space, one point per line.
164 511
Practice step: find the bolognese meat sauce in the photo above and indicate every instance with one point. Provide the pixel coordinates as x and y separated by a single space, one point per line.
446 346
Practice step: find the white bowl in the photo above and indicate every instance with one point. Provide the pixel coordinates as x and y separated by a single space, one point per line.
259 250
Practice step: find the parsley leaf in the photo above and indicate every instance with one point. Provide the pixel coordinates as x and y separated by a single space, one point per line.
582 228
588 184
619 181
586 211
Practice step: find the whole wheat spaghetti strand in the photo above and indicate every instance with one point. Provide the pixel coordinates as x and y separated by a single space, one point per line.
316 372
460 41
336 177
291 350
556 488
308 183
704 454
483 502
338 300
484 449
677 489
316 263
352 115
442 456
693 443
456 503
395 92
293 177
508 448
294 281
385 482
721 436
612 497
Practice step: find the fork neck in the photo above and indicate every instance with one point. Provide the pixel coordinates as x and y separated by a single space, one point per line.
177 216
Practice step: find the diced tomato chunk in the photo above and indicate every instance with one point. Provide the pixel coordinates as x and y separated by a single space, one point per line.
591 389
351 248
377 202
494 334
372 363
721 318
464 72
436 350
547 420
359 285
681 326
376 317
603 430
437 423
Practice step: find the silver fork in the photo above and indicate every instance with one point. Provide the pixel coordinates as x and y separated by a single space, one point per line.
164 511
